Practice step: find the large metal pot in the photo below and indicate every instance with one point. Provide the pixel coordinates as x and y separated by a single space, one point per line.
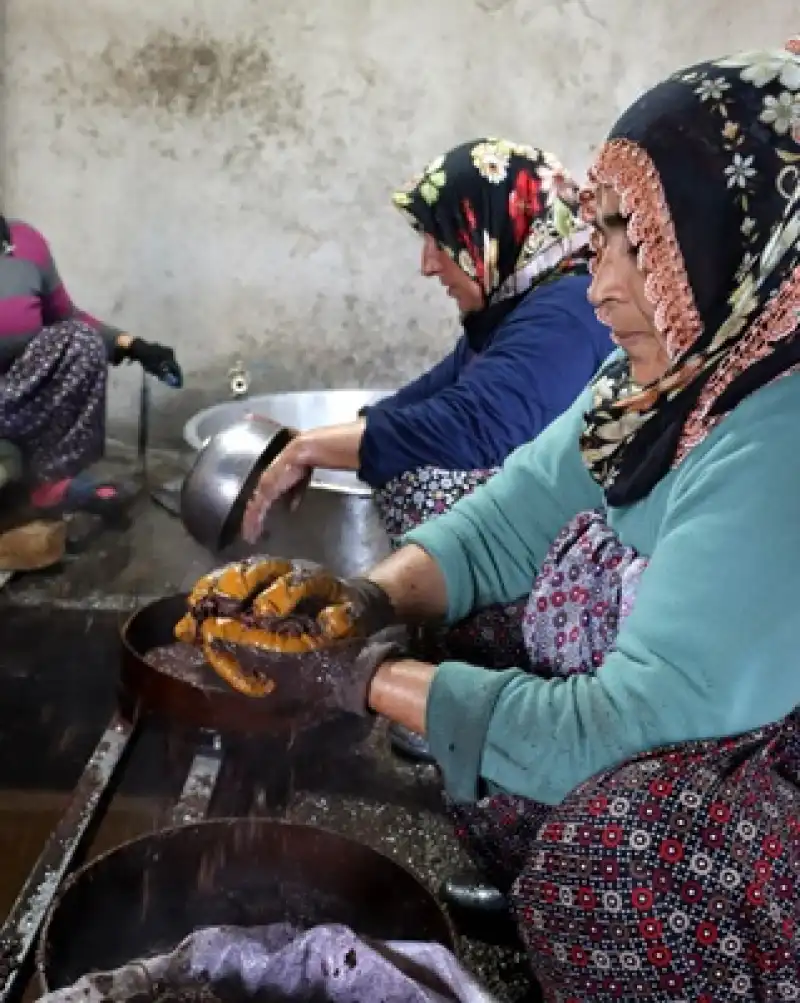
145 896
223 477
300 409
336 525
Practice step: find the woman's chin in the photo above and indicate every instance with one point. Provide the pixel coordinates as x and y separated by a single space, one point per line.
647 355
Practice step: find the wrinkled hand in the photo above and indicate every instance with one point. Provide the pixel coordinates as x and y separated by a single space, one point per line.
157 360
288 475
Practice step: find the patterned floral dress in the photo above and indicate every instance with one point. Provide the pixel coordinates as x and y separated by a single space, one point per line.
674 876
53 401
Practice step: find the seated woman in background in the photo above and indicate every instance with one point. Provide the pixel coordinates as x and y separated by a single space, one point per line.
500 231
634 786
53 360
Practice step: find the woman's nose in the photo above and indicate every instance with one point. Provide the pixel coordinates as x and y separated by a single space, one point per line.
429 264
603 279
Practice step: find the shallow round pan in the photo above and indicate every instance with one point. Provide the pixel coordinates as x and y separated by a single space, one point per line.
198 698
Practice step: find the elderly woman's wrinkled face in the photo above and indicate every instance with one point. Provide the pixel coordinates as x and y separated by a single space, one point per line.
464 290
618 296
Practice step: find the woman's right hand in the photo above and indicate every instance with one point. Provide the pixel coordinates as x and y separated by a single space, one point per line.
334 447
287 475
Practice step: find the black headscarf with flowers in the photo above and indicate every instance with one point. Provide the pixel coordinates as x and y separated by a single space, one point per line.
507 214
707 169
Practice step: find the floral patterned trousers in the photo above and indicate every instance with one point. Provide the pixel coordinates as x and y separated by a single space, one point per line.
53 401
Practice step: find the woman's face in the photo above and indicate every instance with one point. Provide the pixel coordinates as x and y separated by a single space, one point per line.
464 290
618 296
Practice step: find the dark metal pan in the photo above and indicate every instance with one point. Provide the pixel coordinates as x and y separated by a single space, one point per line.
199 698
145 896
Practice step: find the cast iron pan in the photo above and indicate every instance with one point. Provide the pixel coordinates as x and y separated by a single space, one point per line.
200 699
145 896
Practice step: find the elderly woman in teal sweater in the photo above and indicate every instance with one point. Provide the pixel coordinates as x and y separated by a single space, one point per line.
635 789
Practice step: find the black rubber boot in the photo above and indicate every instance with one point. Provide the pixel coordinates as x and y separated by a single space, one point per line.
409 745
479 910
468 892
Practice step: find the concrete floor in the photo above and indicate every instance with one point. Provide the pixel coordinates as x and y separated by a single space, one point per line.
58 664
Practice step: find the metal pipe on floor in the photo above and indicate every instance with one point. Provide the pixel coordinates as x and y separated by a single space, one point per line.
201 781
23 923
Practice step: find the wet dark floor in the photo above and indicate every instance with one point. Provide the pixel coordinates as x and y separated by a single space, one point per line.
59 636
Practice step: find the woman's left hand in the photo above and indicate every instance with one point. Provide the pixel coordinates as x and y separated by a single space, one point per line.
288 474
157 360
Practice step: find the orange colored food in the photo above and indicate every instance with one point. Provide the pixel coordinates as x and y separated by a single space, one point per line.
267 606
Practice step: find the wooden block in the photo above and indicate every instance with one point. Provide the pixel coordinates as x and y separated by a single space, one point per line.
33 547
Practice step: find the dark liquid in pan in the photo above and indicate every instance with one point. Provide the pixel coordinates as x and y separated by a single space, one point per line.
185 663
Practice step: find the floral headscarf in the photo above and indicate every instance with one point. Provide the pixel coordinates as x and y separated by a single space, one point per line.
707 168
507 214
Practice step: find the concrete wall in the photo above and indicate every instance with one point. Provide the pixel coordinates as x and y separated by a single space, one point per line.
215 173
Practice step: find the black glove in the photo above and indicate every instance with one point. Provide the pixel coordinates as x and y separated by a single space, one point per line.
373 607
158 360
316 684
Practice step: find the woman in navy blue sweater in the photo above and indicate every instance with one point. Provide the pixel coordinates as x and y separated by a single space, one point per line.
500 231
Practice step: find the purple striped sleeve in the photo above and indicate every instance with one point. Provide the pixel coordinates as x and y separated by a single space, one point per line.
57 304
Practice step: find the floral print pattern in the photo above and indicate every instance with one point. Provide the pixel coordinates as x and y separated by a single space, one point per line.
407 501
673 876
53 401
491 161
505 212
729 329
782 112
585 588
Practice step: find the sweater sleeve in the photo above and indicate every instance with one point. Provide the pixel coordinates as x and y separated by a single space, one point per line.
443 374
490 544
541 357
709 649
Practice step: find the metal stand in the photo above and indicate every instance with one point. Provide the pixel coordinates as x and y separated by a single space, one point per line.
20 930
201 780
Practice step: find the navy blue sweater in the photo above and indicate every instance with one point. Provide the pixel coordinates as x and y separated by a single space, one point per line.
471 410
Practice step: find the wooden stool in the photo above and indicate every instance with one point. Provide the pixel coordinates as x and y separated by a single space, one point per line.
34 546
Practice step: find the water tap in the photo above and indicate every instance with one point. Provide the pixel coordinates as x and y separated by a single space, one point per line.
238 379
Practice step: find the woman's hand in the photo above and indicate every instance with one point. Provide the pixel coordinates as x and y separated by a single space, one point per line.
157 360
335 447
399 689
288 474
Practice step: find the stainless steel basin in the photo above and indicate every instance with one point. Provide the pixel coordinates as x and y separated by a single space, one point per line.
337 524
303 410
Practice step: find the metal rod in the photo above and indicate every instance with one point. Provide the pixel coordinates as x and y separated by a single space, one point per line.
21 928
201 781
144 427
